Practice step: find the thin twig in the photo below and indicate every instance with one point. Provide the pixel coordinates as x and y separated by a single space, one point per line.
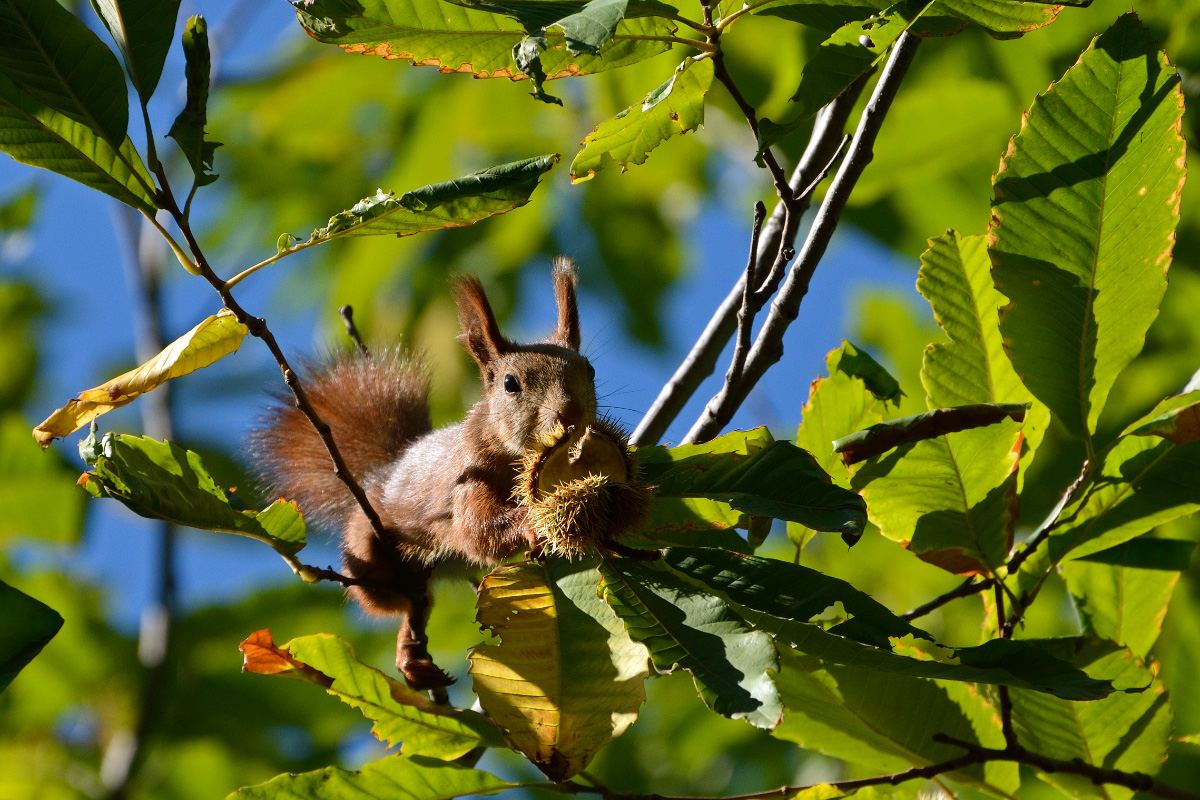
768 347
964 589
1051 522
347 313
1006 706
258 328
702 359
750 305
778 176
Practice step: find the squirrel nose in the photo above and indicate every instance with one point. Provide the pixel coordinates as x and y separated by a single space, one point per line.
571 414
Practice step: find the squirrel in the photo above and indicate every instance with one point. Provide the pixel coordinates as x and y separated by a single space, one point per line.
443 495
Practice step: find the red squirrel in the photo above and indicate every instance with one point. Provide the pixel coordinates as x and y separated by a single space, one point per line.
443 495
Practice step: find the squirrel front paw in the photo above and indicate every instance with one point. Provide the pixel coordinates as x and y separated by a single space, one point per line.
422 674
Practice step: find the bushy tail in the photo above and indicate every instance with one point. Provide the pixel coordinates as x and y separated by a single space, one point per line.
375 406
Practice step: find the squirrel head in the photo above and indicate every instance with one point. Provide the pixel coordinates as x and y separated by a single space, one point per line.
529 390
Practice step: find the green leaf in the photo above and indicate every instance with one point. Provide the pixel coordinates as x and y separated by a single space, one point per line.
1142 483
188 128
674 108
881 437
37 490
395 777
695 521
452 204
854 395
1176 419
161 480
37 135
26 625
760 477
566 679
972 368
458 39
143 30
822 14
950 500
401 715
1100 162
47 52
1121 604
586 27
883 723
685 627
1003 19
1125 731
788 591
1145 552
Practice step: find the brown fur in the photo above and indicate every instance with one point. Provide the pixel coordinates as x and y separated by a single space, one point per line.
443 495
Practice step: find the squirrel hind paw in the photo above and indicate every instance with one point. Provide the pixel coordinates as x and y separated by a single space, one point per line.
422 674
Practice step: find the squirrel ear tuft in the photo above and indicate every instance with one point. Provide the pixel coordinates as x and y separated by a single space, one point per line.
567 332
481 333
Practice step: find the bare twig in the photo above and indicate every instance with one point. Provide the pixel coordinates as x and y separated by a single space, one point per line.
964 589
768 347
1006 706
258 328
347 314
750 304
778 176
700 362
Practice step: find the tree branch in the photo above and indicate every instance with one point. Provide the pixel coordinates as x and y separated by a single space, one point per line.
258 328
347 314
700 362
964 589
768 347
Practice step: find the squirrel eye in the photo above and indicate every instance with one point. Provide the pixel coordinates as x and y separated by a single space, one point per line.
511 384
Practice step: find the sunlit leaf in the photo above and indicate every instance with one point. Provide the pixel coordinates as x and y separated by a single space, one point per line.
53 57
883 436
565 679
1122 604
1003 19
143 30
26 625
402 716
35 134
1176 419
211 340
1147 552
956 279
756 475
1100 162
452 204
188 128
161 480
685 627
1124 731
457 39
397 777
950 500
674 108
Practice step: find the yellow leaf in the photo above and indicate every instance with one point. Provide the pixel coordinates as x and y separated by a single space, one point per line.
211 340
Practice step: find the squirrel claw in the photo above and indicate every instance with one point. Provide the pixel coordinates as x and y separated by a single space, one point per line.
422 674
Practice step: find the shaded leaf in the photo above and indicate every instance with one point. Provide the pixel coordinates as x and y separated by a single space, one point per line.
395 777
1145 552
26 625
55 59
143 30
1125 731
458 39
883 436
452 204
822 14
1122 604
950 500
188 128
401 715
685 627
161 480
565 679
1176 419
211 340
753 474
35 134
972 368
695 521
1099 161
880 722
675 107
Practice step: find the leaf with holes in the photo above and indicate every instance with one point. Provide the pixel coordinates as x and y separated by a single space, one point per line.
672 109
565 678
1099 162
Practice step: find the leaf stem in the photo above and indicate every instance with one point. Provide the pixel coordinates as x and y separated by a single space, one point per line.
964 589
266 262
